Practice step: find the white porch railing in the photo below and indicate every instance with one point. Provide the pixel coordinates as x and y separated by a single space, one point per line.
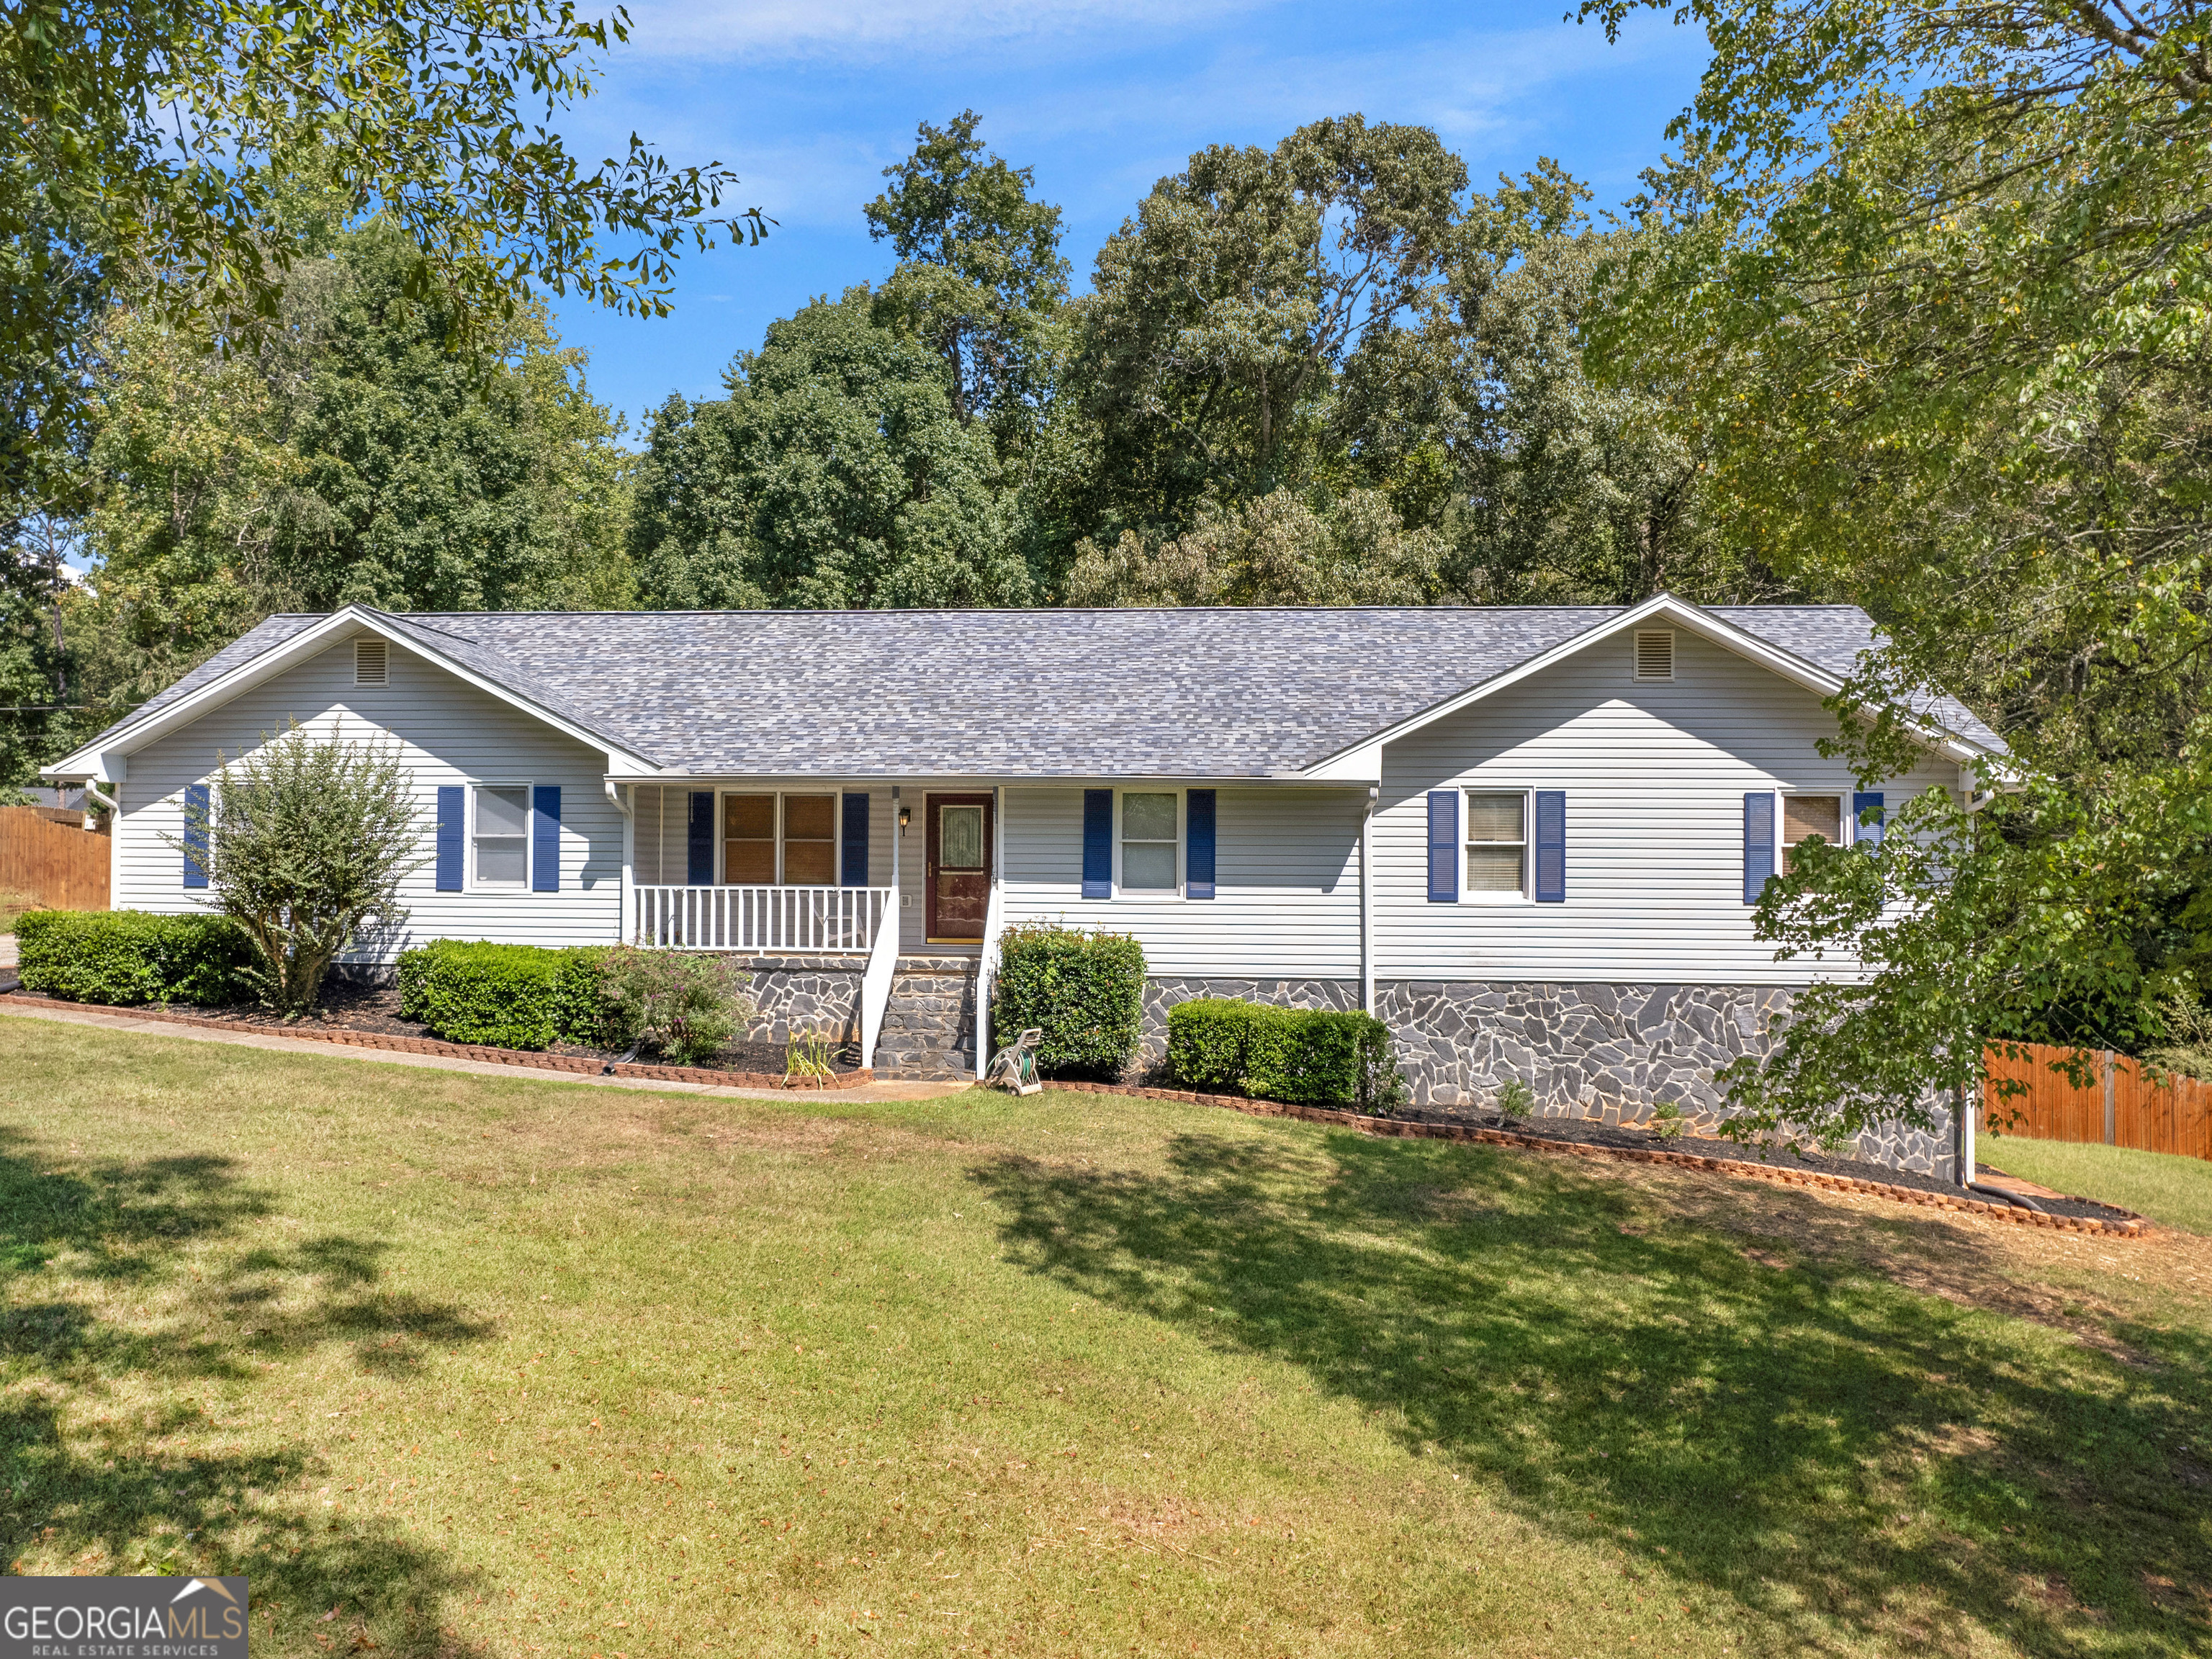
831 918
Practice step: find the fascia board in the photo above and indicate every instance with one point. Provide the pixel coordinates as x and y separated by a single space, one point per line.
1007 780
308 642
1661 607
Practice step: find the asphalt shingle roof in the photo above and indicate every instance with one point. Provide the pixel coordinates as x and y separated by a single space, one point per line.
1191 693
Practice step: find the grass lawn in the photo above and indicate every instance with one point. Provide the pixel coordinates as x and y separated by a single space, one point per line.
2177 1191
449 1364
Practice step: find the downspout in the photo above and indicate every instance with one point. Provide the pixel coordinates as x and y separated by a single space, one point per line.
1367 899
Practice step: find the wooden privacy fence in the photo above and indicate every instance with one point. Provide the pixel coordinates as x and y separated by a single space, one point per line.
2122 1106
60 866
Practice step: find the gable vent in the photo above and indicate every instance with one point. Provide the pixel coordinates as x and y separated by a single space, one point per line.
1655 654
369 662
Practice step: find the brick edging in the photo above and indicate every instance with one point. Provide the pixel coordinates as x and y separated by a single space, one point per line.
523 1058
2134 1227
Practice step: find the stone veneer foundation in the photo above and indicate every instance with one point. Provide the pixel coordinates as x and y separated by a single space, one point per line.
1609 1051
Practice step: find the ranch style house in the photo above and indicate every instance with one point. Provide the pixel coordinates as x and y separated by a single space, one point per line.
1529 839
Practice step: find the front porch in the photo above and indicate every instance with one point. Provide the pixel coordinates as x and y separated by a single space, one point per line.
896 888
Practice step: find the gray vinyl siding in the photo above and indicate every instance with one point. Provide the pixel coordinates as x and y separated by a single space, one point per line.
1286 868
447 733
1654 774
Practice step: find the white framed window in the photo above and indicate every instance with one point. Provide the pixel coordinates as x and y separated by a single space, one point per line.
1495 854
499 836
779 837
1655 653
1804 816
1148 843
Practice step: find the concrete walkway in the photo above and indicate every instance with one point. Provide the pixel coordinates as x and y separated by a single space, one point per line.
119 1020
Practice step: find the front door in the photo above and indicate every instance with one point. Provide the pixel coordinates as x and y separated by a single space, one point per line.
959 872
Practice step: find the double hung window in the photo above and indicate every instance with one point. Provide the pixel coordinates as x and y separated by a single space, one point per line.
1497 845
1803 816
1148 842
768 839
500 849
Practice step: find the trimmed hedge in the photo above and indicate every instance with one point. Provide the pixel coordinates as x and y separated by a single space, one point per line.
1084 991
125 957
504 996
1307 1057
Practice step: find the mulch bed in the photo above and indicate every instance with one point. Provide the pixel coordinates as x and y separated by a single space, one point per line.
363 1017
1585 1138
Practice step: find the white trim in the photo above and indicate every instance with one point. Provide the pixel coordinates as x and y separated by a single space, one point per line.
1156 895
308 642
1525 893
1363 759
470 881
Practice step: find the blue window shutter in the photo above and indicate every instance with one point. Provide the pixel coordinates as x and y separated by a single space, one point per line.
1551 846
196 837
699 847
1098 843
854 868
1198 835
453 806
545 838
1758 842
1443 845
1867 834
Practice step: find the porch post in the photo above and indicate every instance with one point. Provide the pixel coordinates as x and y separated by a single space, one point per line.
896 919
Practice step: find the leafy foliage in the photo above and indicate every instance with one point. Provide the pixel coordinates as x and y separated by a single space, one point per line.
1308 1057
836 473
1084 991
675 1004
152 141
127 957
507 996
307 841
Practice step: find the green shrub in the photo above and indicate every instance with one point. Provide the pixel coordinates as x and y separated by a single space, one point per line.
507 996
1084 991
1208 1037
683 1006
1306 1057
125 957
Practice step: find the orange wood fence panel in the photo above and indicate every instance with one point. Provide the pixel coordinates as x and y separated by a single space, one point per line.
2123 1105
60 865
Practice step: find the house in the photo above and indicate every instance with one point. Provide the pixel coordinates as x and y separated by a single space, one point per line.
1528 839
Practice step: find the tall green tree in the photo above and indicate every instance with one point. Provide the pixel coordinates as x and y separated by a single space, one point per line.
1223 312
837 472
352 453
979 274
1939 277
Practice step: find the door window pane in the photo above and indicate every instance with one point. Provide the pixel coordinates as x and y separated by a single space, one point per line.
1497 843
959 837
502 843
749 840
1148 843
1809 815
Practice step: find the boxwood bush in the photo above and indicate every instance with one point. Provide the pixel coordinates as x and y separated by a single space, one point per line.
125 957
1084 991
1308 1057
505 996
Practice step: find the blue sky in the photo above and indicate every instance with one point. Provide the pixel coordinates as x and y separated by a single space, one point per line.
810 100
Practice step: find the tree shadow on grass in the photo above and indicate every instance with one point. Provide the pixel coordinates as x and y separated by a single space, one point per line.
1841 1454
88 1395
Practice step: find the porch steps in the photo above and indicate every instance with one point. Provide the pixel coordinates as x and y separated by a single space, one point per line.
929 1023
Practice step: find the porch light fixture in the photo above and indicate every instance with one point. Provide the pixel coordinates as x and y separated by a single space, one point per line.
906 817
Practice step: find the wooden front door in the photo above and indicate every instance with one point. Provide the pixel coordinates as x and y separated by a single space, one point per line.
958 892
